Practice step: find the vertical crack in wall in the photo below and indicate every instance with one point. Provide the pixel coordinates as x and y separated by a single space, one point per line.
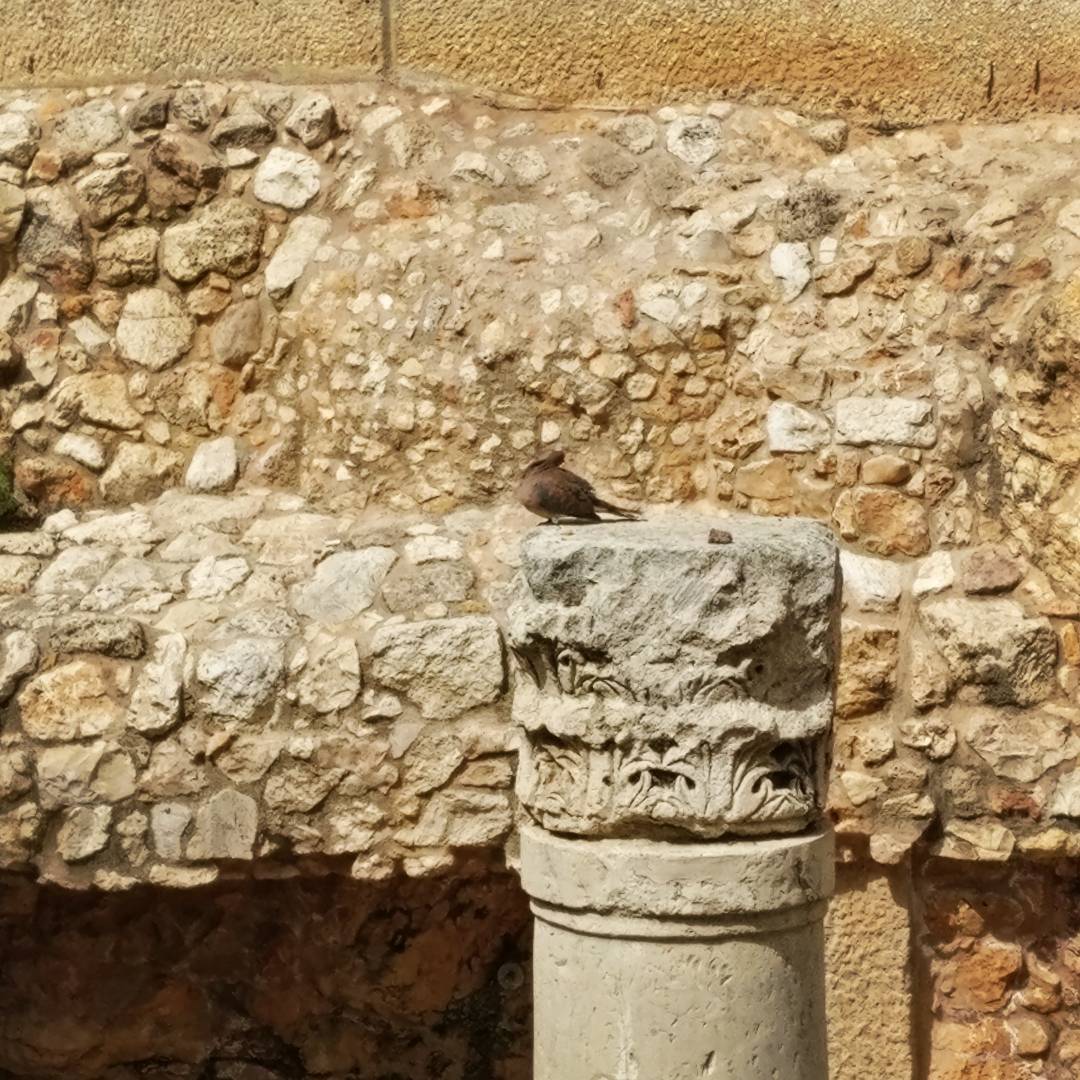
387 37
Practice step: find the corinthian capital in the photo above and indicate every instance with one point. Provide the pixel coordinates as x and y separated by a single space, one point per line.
670 684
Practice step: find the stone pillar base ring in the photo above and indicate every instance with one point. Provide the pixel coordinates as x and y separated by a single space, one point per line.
597 924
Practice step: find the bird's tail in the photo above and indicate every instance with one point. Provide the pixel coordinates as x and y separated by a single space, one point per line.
618 511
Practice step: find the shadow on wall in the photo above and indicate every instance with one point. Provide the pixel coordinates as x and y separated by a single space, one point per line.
259 980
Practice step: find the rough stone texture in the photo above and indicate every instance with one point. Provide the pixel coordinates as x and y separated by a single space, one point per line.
182 650
871 584
990 646
311 119
627 638
295 252
629 925
927 62
93 633
89 43
225 827
924 64
107 193
869 976
12 206
237 335
794 430
240 676
869 658
83 832
154 329
128 257
479 295
224 237
174 1001
156 700
69 702
446 666
887 522
136 471
997 948
213 466
19 136
287 178
888 421
86 129
344 585
53 242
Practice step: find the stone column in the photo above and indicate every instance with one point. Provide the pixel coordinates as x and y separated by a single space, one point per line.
675 694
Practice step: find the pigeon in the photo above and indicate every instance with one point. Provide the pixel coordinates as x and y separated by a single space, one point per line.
557 494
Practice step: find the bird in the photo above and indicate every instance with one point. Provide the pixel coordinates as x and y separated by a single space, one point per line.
550 491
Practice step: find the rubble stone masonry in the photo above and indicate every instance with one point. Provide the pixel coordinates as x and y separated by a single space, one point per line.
271 359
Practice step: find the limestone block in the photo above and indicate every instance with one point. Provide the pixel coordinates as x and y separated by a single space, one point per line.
19 135
90 42
107 193
68 702
287 178
215 576
154 330
225 827
993 648
12 207
888 421
156 700
869 659
344 584
794 430
225 236
868 976
239 675
331 677
98 397
83 131
213 466
927 60
93 633
19 655
138 471
1023 746
446 666
311 119
296 250
871 584
64 773
83 832
53 242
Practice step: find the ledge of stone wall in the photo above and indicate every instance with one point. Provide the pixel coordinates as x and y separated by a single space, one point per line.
929 60
211 684
53 42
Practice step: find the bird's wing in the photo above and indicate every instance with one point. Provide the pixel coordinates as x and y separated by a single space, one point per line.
585 490
578 483
562 493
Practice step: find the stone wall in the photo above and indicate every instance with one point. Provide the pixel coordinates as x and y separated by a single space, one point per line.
928 60
272 359
273 979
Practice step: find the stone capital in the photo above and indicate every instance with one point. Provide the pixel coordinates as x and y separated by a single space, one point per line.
672 685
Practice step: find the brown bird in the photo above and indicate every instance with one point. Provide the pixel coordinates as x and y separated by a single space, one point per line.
557 494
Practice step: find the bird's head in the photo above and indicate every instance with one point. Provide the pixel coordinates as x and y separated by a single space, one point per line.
548 461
